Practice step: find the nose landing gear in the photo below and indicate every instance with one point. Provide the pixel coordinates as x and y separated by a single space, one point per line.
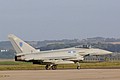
78 65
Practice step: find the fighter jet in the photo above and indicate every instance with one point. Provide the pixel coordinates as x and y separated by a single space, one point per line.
51 58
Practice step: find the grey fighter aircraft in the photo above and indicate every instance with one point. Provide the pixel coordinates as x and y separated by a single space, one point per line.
51 58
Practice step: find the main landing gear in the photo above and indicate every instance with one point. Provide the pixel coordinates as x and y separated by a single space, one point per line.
54 66
51 66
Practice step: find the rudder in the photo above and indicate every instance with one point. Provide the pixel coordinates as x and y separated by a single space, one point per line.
20 46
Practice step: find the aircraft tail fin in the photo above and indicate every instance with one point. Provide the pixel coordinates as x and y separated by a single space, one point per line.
20 46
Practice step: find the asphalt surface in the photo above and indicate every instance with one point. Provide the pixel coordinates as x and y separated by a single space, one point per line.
83 74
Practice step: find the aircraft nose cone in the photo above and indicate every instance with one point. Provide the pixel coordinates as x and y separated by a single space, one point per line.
109 52
102 52
106 52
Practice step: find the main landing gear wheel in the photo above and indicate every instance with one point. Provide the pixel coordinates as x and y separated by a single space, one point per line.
53 67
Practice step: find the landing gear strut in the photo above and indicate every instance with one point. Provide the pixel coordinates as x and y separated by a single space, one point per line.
51 66
47 67
78 65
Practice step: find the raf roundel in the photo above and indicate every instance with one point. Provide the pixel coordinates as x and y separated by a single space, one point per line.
21 44
72 52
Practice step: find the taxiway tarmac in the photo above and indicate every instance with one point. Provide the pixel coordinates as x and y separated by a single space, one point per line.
83 74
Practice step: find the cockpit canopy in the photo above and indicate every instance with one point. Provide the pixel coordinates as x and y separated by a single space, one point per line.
84 46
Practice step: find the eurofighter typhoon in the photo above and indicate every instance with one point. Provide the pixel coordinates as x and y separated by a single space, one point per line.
52 58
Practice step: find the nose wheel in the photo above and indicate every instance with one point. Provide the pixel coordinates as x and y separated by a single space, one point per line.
78 65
